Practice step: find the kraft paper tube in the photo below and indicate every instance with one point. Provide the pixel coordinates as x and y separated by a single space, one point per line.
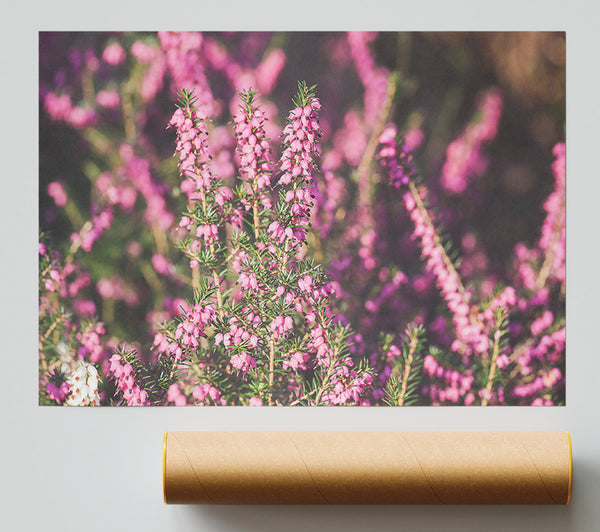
367 467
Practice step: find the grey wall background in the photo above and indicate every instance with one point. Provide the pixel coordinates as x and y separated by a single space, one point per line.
100 469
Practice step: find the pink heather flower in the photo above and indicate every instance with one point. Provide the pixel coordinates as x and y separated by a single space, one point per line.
58 107
144 53
81 117
255 401
413 138
280 325
113 54
301 136
85 306
347 384
108 99
161 264
153 79
373 77
191 329
547 380
542 323
175 396
269 69
502 361
204 393
296 361
351 140
183 52
125 380
248 281
57 192
552 241
464 159
253 148
137 171
57 393
112 288
92 231
469 327
398 159
49 285
243 361
192 147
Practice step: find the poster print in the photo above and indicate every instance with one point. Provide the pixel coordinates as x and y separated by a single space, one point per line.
302 218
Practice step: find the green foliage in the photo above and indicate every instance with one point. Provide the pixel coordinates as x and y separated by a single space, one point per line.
403 386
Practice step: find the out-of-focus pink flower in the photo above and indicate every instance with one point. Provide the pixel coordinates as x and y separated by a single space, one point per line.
108 99
57 192
161 264
464 158
143 52
58 107
113 54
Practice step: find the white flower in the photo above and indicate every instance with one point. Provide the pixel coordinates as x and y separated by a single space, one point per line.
83 384
66 357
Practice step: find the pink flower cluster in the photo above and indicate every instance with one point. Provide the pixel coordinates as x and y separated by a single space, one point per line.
184 58
544 382
91 346
469 326
123 373
61 108
347 385
238 340
457 384
92 230
113 54
552 241
398 158
118 289
301 136
57 393
202 394
373 77
153 78
296 361
137 171
237 334
57 193
192 147
253 151
190 330
549 348
200 184
108 99
464 158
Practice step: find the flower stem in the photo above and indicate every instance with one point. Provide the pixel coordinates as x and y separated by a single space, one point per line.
409 360
490 381
271 369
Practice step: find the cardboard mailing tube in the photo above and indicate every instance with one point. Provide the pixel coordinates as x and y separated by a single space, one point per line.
367 467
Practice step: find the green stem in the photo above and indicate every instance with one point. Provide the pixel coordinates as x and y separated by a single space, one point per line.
492 374
414 341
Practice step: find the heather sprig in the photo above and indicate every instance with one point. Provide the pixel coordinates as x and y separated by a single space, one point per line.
481 328
403 385
273 326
